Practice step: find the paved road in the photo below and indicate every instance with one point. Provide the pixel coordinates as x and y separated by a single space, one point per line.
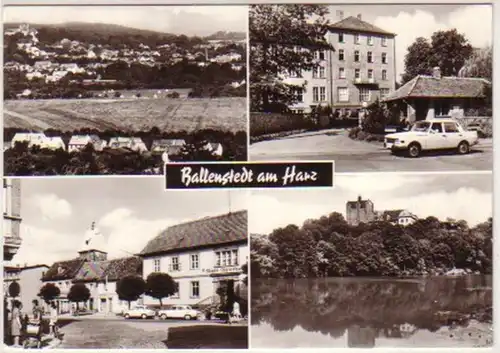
359 156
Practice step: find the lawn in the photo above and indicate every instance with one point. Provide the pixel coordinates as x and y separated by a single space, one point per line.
168 114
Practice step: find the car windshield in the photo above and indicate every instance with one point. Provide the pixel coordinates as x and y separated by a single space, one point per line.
421 126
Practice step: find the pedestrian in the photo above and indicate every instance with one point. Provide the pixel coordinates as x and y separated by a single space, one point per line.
236 311
37 311
15 322
53 319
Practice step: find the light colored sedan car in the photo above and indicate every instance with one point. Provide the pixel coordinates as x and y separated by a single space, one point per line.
179 312
139 312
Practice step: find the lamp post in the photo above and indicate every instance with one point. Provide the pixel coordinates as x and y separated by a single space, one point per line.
362 116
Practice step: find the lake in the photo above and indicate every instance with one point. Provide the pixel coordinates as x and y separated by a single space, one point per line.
372 312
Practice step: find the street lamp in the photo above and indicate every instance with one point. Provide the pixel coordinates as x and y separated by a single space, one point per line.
362 116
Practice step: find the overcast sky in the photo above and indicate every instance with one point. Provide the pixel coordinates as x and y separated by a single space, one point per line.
189 20
412 21
459 196
128 211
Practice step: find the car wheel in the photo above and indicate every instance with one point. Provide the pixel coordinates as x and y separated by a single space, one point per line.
187 317
127 316
144 316
414 150
163 316
463 147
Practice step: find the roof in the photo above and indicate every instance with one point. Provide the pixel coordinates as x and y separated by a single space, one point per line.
209 231
23 268
79 139
362 202
391 215
113 270
168 143
68 270
352 23
422 86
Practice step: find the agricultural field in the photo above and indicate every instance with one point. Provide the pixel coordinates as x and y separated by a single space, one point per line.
167 114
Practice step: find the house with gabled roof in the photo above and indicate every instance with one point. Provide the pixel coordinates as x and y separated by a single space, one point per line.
171 146
201 256
78 142
430 96
32 138
132 143
398 217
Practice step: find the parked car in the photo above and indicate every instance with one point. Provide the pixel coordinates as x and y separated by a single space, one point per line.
140 311
432 134
82 312
476 127
179 312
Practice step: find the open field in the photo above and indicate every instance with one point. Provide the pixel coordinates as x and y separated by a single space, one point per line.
226 114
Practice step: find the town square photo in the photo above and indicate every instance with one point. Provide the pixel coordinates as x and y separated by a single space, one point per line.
114 263
379 261
379 87
122 89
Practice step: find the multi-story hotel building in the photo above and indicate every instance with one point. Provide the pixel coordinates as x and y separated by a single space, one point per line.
11 204
360 68
200 256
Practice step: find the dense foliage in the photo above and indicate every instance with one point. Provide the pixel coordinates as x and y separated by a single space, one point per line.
130 288
78 293
160 285
49 292
448 50
329 247
23 161
284 39
14 289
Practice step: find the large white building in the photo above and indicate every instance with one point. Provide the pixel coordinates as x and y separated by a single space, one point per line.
29 279
11 204
201 256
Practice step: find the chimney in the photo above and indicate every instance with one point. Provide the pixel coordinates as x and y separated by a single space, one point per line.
436 72
359 16
340 15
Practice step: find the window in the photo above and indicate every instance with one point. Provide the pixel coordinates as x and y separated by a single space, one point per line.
299 95
343 94
369 57
370 74
195 289
315 72
451 127
357 73
384 58
4 195
194 262
175 266
369 40
321 72
384 92
356 56
315 94
157 265
364 95
356 39
176 294
294 74
322 94
321 55
437 127
341 72
341 54
384 75
228 257
341 37
384 41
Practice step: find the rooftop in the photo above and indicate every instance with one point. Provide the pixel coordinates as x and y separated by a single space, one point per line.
355 24
209 231
423 86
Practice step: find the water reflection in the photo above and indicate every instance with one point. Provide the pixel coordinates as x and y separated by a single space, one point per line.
361 312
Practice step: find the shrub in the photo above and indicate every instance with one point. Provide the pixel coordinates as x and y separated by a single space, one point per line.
353 133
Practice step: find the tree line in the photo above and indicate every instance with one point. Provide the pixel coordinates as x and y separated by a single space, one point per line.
21 160
330 247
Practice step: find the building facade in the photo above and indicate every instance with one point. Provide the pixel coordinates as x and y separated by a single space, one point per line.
360 69
399 217
11 204
360 211
201 256
29 279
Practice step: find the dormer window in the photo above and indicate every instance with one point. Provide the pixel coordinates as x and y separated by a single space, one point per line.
60 270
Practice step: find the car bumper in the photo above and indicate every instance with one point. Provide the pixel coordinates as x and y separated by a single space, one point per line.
394 147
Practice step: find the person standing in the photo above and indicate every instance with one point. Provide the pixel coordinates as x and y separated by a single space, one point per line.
236 310
53 319
15 323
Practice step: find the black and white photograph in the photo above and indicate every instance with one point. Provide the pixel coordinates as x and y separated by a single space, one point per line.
109 263
123 89
378 87
392 261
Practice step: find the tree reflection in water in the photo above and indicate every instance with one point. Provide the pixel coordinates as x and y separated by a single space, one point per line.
369 308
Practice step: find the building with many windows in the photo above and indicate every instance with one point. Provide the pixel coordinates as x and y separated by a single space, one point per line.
11 204
361 68
363 211
201 256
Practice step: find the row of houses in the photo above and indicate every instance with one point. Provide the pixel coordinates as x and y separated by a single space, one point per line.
363 211
200 255
78 142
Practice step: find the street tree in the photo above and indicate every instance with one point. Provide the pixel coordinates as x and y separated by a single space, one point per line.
284 39
78 293
160 285
14 289
49 292
479 64
130 288
447 50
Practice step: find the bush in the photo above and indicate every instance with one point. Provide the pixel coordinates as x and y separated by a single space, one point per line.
269 123
353 133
